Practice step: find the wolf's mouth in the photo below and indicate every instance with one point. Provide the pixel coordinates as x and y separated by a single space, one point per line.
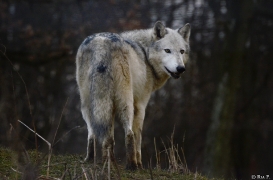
174 75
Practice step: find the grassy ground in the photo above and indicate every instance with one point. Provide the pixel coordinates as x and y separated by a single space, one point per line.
34 164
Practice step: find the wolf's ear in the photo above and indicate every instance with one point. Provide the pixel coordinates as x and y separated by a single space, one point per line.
185 32
159 30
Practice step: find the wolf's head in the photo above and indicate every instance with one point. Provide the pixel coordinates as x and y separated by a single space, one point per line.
170 49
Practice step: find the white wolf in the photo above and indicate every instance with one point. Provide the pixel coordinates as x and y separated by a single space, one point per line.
116 74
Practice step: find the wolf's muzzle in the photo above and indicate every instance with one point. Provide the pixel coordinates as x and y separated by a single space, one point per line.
177 74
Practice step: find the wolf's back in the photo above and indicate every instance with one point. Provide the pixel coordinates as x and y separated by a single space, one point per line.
95 79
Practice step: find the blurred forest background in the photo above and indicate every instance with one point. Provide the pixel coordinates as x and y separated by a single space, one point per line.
222 107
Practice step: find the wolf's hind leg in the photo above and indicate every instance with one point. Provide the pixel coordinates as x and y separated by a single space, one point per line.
108 143
125 110
90 146
131 163
124 102
127 120
90 137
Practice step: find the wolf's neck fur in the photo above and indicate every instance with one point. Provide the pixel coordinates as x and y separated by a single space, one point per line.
144 38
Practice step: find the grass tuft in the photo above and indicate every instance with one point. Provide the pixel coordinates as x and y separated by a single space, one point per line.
69 167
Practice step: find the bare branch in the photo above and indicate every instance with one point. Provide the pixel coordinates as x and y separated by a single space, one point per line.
85 173
66 134
48 143
60 121
16 171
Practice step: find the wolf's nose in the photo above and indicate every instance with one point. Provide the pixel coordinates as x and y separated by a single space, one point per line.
180 69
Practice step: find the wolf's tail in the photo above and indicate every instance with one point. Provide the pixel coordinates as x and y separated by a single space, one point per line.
98 54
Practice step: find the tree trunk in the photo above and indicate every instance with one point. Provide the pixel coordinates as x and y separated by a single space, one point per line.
218 157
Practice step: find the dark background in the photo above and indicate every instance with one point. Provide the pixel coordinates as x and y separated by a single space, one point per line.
221 108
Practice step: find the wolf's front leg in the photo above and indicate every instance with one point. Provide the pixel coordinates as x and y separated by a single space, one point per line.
139 113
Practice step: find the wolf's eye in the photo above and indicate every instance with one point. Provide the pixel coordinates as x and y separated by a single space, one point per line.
167 50
182 51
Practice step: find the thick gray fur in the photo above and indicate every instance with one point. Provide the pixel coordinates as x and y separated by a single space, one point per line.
116 74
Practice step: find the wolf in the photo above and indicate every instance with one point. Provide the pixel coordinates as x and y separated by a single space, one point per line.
116 74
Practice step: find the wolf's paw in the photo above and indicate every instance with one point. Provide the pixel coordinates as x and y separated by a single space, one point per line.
132 166
139 165
88 158
85 160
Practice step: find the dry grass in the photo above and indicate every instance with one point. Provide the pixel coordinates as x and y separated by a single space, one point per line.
176 163
69 167
36 165
49 166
